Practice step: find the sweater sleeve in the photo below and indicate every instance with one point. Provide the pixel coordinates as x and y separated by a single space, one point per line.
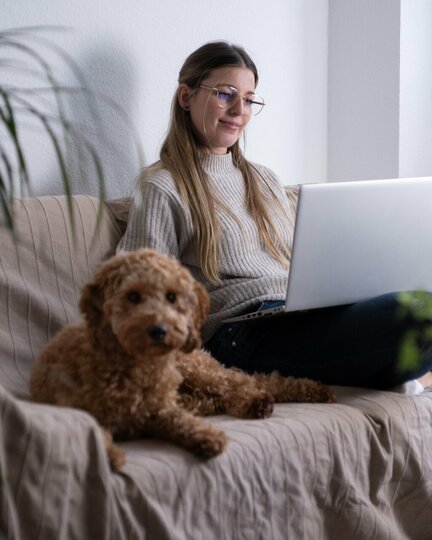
153 222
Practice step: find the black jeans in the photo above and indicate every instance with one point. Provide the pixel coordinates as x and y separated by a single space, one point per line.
352 345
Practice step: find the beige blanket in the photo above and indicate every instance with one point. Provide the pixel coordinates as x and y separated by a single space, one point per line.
360 469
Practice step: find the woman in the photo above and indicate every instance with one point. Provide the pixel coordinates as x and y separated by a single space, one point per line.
230 223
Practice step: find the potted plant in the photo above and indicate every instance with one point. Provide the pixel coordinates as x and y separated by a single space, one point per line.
28 54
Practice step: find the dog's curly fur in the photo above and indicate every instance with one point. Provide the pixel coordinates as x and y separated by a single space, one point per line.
136 366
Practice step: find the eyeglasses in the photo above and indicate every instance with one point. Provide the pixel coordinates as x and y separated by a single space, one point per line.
228 96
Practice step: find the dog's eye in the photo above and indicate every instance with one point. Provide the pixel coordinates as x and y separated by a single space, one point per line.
171 297
134 297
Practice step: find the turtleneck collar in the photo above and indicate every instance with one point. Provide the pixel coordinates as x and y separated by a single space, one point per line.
217 163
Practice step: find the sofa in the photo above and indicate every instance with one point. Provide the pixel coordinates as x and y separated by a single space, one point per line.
357 469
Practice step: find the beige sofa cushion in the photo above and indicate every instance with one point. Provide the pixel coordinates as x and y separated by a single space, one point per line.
41 277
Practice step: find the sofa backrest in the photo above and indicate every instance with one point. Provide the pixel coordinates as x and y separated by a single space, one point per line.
41 276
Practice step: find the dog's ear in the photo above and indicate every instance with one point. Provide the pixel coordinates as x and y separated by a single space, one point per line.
202 305
91 304
197 319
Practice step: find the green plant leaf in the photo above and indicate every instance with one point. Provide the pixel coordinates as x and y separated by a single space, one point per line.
41 106
8 118
417 307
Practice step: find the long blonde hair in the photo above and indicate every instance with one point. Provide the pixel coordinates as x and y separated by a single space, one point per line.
180 156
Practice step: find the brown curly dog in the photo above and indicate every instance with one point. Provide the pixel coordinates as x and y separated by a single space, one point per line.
136 366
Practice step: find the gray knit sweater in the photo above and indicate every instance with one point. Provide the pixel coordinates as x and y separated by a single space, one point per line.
159 219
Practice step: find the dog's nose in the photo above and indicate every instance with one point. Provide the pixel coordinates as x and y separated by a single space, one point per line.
157 332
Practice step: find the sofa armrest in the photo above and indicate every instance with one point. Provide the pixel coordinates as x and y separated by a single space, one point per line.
41 276
51 458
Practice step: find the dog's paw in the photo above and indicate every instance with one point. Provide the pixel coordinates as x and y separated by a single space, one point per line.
328 395
260 406
320 393
116 458
209 443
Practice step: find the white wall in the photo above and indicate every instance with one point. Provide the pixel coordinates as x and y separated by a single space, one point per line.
380 89
416 89
363 113
132 51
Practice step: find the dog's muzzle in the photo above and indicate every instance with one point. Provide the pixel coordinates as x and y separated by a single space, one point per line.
141 334
157 333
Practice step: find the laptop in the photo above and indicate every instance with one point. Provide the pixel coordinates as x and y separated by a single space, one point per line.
356 240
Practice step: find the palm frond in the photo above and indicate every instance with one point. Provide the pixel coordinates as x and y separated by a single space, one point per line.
7 115
64 140
6 186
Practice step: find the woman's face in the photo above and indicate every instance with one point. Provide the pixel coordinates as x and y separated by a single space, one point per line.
218 127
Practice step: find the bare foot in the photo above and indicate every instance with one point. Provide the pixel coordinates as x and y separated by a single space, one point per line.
426 380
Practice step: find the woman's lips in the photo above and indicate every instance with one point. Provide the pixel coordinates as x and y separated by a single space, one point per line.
232 126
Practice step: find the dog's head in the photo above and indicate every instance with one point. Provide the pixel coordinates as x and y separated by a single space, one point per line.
151 303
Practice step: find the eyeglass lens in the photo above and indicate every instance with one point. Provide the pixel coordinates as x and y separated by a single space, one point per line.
228 97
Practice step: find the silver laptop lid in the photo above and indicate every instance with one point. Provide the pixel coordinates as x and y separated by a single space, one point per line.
356 240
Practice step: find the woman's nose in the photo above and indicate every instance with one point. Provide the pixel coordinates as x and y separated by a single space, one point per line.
238 107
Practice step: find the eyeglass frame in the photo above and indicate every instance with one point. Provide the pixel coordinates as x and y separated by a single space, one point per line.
239 96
